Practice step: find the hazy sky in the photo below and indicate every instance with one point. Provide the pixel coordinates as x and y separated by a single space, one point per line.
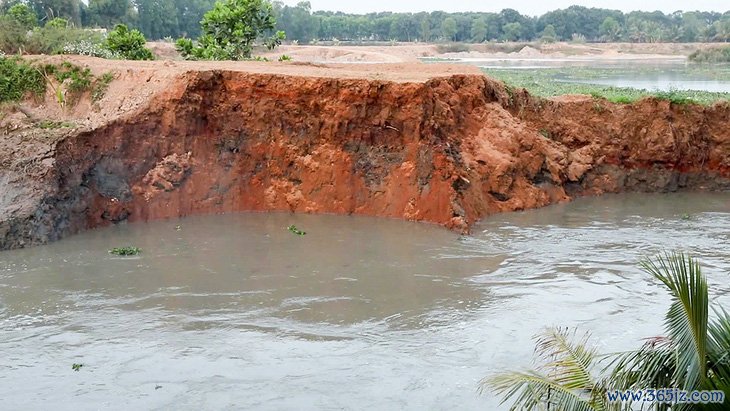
530 7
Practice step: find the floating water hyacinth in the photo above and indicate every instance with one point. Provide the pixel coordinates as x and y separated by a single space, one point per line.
295 230
125 251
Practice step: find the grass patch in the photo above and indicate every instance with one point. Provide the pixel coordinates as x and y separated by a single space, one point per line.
50 125
101 85
19 78
564 81
125 251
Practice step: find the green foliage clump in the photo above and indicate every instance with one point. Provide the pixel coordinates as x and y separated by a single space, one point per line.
129 44
57 23
125 251
231 30
77 367
711 55
79 78
284 57
294 230
101 85
18 78
23 15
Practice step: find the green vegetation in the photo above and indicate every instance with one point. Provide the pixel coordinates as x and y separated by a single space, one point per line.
558 82
125 251
100 87
711 55
158 19
295 230
129 44
18 78
231 30
692 355
576 23
51 125
77 367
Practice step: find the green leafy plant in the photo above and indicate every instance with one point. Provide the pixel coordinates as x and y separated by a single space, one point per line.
23 15
231 30
101 85
18 78
294 230
284 57
77 367
125 251
129 44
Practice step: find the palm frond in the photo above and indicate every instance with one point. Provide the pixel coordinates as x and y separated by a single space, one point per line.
687 318
531 391
563 380
567 359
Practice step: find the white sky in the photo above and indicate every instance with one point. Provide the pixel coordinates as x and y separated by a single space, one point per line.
529 7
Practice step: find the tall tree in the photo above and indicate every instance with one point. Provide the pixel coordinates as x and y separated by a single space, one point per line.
157 18
479 30
109 13
449 29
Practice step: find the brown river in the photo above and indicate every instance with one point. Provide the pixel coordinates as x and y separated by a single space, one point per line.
235 312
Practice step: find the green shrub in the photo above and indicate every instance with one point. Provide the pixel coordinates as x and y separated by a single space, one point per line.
18 78
24 15
129 44
13 37
53 40
711 55
57 23
101 85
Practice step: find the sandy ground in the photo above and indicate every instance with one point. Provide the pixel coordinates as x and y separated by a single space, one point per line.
412 52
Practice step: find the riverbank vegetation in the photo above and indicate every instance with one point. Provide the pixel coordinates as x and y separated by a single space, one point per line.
22 32
20 78
711 55
691 355
552 82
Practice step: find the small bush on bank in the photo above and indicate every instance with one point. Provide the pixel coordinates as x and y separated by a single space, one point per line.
129 44
711 55
18 78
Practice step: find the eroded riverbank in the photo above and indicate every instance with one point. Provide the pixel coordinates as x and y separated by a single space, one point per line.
441 144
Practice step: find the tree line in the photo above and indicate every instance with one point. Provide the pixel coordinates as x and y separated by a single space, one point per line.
181 18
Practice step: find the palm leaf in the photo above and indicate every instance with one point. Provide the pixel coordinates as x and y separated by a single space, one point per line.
687 318
563 381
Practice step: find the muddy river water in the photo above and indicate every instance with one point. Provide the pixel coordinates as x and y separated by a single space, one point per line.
236 312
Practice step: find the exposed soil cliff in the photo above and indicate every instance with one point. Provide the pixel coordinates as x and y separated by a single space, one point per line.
448 150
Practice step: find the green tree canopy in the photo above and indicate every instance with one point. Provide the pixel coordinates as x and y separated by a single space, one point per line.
23 15
479 30
232 29
449 29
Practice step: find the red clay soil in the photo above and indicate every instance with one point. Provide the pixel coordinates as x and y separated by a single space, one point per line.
443 149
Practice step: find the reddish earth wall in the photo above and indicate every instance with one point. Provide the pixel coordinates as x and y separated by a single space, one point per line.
448 151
